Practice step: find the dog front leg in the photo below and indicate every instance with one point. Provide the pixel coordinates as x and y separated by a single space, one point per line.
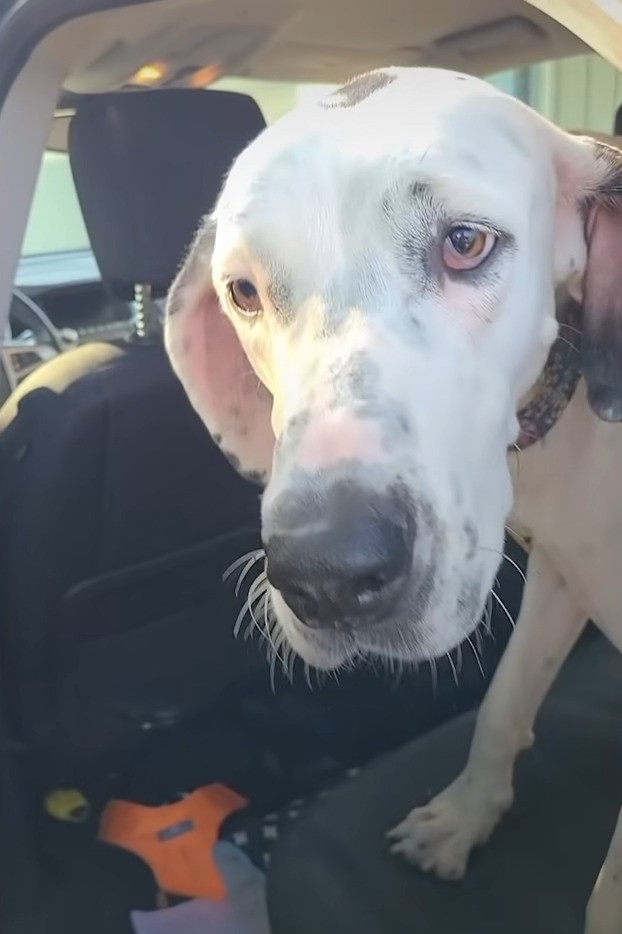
440 836
604 911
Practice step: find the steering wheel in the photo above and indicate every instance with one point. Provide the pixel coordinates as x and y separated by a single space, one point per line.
31 339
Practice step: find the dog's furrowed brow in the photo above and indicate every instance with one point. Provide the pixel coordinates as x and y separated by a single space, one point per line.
448 194
281 296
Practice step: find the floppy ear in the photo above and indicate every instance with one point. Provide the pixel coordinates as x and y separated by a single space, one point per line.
208 358
601 286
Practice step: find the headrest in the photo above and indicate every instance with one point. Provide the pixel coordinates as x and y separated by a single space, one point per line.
147 166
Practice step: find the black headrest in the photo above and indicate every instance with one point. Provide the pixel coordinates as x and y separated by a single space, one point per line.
147 166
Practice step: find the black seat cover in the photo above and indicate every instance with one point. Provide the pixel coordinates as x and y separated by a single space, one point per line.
334 873
119 514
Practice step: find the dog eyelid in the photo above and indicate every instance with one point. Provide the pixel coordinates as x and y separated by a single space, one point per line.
244 296
467 246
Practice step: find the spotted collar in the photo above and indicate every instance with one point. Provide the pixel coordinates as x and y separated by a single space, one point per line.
556 384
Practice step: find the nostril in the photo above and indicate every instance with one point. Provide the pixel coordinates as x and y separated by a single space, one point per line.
348 564
369 585
302 600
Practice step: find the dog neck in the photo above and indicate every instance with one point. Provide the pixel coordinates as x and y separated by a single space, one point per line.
555 387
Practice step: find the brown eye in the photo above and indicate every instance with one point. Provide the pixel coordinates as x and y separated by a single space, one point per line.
245 297
467 247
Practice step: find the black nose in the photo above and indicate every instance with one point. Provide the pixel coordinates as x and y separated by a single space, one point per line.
345 560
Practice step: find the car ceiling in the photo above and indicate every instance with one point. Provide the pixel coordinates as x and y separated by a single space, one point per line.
323 41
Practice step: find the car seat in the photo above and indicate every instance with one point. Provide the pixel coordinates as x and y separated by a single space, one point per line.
119 514
333 871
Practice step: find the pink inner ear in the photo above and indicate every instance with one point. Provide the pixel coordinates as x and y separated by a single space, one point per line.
221 384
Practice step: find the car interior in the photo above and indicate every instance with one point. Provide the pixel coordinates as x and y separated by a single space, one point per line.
121 675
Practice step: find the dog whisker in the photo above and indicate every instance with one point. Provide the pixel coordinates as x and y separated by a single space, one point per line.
479 640
257 588
570 327
519 538
251 563
477 658
256 606
453 667
307 672
240 619
504 557
516 567
504 608
286 652
434 671
488 617
568 343
266 632
251 556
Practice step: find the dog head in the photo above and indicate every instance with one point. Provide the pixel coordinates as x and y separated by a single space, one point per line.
357 324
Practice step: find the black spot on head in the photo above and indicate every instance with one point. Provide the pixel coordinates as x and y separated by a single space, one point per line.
217 439
358 89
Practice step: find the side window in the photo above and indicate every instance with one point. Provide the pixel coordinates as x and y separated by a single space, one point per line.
578 93
55 224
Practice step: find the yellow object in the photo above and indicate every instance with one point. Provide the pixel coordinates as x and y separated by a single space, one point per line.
150 74
67 804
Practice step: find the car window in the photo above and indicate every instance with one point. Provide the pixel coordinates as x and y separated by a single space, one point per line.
55 224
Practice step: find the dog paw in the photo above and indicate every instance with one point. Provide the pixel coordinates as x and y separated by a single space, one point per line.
439 837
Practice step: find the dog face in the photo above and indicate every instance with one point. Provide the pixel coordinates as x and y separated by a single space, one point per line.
357 324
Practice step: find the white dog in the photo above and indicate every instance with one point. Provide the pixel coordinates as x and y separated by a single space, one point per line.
404 318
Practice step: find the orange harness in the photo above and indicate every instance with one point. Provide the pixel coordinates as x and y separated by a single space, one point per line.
176 840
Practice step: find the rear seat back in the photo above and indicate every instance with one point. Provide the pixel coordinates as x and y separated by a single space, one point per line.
121 514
